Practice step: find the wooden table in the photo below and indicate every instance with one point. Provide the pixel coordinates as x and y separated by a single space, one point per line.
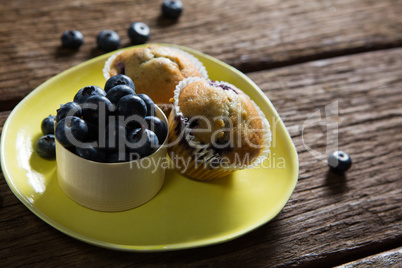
306 56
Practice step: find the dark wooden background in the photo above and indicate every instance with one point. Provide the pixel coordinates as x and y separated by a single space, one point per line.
305 56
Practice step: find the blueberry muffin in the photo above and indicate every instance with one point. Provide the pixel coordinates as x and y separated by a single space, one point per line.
155 69
215 129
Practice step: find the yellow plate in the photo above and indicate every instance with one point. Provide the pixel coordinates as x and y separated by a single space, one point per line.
185 213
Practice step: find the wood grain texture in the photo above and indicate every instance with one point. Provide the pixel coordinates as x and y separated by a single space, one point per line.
330 219
250 35
344 213
390 259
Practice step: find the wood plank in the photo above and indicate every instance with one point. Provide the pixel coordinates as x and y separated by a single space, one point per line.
329 220
342 216
3 118
250 35
390 259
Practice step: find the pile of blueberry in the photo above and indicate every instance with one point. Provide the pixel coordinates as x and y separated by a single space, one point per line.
110 125
138 32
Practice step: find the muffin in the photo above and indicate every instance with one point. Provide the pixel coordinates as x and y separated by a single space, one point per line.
215 129
155 69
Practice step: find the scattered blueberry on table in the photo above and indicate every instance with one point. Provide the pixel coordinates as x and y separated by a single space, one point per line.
172 8
339 161
139 33
72 39
108 40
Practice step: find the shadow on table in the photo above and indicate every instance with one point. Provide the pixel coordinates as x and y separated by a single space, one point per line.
165 22
62 52
336 183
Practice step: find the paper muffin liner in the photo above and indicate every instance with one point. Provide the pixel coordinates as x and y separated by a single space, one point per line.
199 157
108 63
196 62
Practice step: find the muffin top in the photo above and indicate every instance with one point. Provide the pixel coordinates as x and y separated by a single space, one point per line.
155 70
224 118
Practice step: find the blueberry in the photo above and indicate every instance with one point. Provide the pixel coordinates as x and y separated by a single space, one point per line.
136 136
151 110
121 67
172 8
131 122
157 126
119 79
114 138
142 142
47 125
68 109
93 131
45 147
92 153
222 86
84 93
139 33
72 39
97 109
339 161
70 130
117 92
108 40
136 139
152 143
131 105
